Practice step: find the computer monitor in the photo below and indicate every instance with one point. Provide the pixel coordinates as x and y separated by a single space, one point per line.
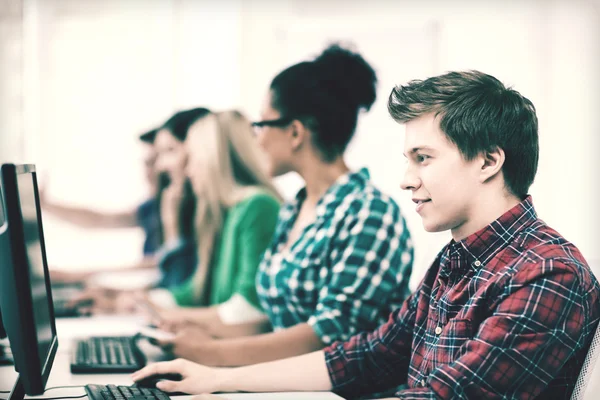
5 358
5 355
25 292
2 330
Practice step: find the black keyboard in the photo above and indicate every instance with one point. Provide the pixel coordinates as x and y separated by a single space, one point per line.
107 355
112 392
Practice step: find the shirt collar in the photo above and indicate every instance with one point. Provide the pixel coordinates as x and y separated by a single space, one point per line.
353 178
483 245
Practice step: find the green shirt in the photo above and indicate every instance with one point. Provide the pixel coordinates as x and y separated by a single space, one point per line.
246 233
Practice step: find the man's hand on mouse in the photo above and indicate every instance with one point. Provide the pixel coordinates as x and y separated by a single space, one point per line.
196 379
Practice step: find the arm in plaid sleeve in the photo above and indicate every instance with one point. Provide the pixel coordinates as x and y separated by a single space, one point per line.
376 361
540 321
370 263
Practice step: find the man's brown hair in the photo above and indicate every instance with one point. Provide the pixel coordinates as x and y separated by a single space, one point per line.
478 114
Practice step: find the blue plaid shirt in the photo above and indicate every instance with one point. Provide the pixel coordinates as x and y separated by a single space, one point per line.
348 269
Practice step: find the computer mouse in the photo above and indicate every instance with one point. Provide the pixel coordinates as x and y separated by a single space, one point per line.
151 381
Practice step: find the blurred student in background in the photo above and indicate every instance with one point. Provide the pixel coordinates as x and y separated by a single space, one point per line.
236 212
174 208
341 256
145 216
177 202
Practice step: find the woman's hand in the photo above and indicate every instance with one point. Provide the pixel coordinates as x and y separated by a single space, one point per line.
173 323
175 320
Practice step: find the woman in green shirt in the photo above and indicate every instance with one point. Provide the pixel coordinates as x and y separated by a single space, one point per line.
236 213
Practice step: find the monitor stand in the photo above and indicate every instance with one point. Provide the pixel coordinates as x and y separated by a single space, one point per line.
5 358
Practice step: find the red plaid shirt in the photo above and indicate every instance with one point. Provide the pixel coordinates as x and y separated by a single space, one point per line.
507 313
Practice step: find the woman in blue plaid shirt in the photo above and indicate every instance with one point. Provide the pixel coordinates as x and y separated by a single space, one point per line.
341 257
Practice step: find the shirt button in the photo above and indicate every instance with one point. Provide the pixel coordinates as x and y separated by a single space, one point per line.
423 382
477 263
438 330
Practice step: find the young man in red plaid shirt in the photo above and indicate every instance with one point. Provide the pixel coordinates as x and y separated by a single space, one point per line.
508 308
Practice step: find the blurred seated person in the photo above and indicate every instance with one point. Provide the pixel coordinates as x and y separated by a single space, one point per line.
145 216
235 216
177 202
171 210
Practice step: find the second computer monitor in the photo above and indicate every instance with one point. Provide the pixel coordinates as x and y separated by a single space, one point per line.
25 292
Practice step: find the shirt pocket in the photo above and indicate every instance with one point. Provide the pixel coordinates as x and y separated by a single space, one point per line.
450 339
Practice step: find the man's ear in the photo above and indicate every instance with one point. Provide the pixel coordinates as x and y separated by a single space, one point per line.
491 163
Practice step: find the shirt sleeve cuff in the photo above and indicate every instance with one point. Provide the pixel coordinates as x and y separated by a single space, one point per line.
238 310
169 248
335 368
327 328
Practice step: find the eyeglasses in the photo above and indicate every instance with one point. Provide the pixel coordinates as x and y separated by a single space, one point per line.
279 122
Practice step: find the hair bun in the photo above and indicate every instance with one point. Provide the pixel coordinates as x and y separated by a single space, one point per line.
351 76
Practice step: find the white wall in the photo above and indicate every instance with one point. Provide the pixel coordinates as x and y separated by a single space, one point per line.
548 50
11 81
98 73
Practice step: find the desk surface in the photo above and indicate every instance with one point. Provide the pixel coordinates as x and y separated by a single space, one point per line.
70 329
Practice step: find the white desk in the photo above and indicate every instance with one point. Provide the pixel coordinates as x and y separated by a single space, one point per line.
70 329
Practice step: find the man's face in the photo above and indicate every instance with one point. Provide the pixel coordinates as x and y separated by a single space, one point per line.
444 186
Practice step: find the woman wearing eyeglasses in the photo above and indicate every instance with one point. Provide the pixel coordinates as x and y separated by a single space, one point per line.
341 255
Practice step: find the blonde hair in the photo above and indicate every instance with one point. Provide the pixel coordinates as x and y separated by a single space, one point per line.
227 166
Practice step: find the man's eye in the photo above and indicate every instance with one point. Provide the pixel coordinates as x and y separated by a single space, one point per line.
422 157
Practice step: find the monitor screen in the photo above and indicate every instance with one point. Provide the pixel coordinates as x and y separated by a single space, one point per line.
25 294
9 378
2 217
39 291
2 331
